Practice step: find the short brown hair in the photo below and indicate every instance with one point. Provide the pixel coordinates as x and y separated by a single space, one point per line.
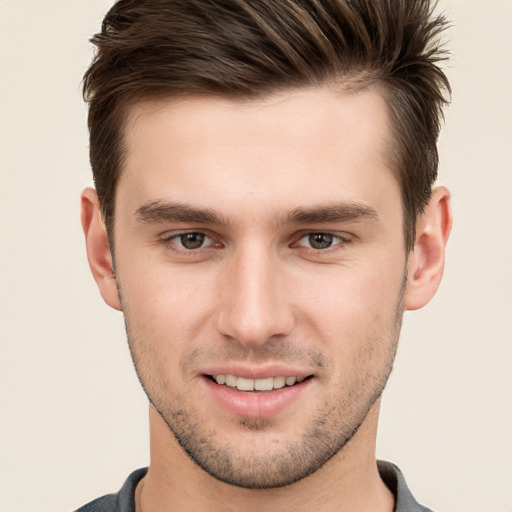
245 49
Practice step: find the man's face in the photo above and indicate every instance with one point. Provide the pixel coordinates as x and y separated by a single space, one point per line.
260 244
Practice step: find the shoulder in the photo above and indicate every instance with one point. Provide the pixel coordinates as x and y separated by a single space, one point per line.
395 481
123 501
106 503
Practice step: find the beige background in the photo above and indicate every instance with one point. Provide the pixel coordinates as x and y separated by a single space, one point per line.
72 417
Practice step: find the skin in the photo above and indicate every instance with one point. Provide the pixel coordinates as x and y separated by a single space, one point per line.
259 293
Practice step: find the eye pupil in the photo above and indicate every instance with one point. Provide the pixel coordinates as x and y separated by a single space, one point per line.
192 240
320 240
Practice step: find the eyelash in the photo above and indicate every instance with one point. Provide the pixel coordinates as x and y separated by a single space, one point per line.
170 242
341 241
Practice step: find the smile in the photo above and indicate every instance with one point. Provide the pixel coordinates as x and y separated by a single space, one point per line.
261 397
267 384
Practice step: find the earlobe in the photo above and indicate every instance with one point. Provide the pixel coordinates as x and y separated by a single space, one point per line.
98 249
426 261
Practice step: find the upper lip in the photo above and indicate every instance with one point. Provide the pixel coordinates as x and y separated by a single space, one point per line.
257 372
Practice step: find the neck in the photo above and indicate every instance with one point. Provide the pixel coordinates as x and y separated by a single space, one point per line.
349 481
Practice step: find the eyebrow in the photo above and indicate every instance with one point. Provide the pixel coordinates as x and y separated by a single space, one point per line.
336 212
163 211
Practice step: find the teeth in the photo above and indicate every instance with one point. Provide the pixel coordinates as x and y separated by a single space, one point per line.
268 384
279 382
245 384
231 381
290 381
263 384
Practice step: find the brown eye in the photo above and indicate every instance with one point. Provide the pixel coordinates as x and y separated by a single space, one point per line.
320 240
192 240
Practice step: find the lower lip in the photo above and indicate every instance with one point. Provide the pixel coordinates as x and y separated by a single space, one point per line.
255 404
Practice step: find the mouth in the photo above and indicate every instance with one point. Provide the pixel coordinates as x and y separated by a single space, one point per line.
261 385
261 393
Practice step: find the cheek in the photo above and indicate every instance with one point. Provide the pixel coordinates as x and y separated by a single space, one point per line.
168 313
160 293
355 314
362 294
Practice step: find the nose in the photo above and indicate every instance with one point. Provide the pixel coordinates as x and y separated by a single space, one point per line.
254 306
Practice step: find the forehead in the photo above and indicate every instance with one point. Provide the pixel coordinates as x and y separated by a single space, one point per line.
297 115
292 149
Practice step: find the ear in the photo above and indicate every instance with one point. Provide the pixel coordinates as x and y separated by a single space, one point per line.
426 260
98 249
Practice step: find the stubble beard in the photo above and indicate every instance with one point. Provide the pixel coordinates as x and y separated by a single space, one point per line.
326 435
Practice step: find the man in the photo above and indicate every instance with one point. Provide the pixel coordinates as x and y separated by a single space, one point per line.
264 213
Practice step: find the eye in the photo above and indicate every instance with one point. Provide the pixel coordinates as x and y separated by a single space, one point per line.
319 241
190 240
